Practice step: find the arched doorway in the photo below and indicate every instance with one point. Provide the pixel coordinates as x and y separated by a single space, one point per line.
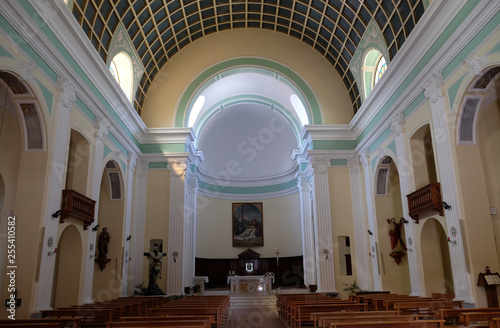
394 268
68 268
107 279
436 258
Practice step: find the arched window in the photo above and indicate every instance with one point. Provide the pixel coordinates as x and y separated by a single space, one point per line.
374 66
121 69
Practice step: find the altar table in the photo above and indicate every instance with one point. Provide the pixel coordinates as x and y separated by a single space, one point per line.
250 284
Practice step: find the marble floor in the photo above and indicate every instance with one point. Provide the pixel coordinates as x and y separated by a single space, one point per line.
254 317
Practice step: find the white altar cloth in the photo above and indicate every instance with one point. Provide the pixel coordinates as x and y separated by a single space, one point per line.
249 284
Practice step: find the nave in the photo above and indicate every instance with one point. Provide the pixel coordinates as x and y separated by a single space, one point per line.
270 310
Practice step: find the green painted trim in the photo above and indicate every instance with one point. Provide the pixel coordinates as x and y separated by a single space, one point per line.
373 164
392 146
106 151
254 99
459 18
123 165
334 145
4 52
79 103
79 71
158 165
414 104
47 95
30 52
453 90
472 45
302 166
495 49
189 95
248 190
380 139
115 141
164 148
338 162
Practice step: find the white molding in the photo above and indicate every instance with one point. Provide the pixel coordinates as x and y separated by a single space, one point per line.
247 197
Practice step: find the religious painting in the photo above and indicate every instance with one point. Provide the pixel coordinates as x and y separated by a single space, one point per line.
248 230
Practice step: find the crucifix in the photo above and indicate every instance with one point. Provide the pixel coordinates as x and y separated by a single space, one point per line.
155 257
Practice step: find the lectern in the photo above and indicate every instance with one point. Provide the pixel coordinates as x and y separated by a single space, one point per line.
490 281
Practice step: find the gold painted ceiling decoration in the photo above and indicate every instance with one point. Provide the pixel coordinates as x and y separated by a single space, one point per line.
160 28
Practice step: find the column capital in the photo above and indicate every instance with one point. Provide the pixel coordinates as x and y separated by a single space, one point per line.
25 69
177 168
101 128
354 164
319 165
397 124
476 64
67 92
191 182
432 88
142 168
303 182
132 161
364 156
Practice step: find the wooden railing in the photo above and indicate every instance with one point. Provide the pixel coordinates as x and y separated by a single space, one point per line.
425 199
77 206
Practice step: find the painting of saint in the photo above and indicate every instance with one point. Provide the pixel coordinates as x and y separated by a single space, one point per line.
247 225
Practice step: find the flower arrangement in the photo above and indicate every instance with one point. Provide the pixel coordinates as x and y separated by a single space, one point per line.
351 288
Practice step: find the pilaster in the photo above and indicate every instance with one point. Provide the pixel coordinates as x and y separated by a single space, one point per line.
398 130
446 167
57 177
362 247
308 249
190 226
370 213
138 225
176 236
322 225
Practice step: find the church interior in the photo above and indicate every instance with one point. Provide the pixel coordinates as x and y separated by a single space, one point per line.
247 147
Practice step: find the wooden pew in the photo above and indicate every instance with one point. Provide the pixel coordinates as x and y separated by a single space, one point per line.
453 315
440 296
320 318
160 323
303 312
173 311
327 321
64 322
30 325
89 317
425 307
388 304
292 306
391 324
494 323
467 317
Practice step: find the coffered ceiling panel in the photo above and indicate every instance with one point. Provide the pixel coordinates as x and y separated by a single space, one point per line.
159 29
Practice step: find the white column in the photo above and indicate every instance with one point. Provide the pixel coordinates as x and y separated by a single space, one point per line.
128 199
323 225
370 213
309 258
190 227
175 283
57 177
138 225
398 130
100 133
446 167
361 244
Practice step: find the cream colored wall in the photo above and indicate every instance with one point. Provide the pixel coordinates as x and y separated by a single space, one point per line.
68 268
395 277
281 221
157 215
106 283
78 163
342 222
171 82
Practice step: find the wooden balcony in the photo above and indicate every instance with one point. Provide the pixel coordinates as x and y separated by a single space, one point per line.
77 206
425 199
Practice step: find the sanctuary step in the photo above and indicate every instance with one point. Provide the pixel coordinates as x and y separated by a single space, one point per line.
253 300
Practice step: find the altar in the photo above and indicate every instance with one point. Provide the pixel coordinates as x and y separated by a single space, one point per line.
249 284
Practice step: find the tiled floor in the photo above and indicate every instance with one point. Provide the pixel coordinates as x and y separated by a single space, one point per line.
254 317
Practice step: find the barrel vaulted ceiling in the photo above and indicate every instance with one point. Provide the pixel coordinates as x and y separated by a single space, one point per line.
159 29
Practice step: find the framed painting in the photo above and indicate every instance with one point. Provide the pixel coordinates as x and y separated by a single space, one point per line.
248 228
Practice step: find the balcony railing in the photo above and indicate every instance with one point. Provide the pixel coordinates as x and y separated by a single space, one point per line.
425 199
77 206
